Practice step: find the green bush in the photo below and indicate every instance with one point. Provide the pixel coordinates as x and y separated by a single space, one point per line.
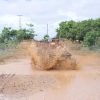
46 37
85 31
9 34
90 38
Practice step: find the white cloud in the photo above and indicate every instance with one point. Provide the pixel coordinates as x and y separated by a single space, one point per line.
11 20
41 12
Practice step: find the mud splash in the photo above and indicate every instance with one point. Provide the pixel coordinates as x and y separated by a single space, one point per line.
50 55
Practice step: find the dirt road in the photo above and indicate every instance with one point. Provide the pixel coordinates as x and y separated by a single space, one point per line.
19 82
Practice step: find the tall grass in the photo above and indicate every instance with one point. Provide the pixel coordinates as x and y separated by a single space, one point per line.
7 49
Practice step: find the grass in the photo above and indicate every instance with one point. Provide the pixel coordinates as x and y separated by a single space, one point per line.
77 48
7 49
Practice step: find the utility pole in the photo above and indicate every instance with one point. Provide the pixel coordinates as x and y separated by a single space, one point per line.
20 24
47 29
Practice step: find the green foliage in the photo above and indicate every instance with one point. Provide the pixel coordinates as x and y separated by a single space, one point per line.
67 30
6 34
97 43
9 34
83 31
46 37
90 38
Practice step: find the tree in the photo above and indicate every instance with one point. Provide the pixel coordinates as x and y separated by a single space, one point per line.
46 37
67 30
78 30
30 32
90 38
9 34
6 34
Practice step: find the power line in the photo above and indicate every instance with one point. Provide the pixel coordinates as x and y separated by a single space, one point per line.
47 28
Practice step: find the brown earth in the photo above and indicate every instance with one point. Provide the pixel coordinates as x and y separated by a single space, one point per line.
19 81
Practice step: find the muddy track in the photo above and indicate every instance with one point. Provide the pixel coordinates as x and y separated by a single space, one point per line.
14 87
4 79
19 82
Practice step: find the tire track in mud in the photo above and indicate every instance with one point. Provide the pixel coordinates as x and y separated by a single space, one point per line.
19 86
4 79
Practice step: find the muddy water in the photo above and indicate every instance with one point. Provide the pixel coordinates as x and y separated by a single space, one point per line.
18 81
16 66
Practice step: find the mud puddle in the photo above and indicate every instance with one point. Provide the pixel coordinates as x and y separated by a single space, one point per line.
18 81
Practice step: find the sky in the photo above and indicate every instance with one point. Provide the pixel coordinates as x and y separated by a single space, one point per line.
43 12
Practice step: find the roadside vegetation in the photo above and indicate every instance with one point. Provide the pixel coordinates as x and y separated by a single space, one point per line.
86 32
10 38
